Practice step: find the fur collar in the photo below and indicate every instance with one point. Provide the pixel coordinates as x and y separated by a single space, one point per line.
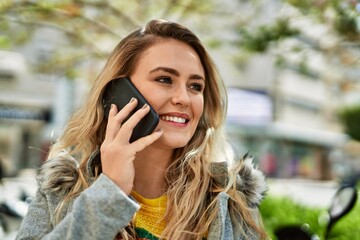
61 173
249 180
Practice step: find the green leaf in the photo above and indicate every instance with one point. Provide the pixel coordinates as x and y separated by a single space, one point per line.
5 42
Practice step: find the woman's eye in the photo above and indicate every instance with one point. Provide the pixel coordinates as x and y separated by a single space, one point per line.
197 87
165 80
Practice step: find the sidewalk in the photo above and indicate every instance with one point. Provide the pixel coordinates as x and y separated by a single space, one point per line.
12 187
10 191
309 192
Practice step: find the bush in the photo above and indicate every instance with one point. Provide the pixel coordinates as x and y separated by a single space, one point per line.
278 211
350 118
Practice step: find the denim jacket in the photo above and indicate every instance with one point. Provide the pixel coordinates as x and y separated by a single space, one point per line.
103 209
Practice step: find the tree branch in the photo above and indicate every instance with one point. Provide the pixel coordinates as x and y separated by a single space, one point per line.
25 6
69 33
102 4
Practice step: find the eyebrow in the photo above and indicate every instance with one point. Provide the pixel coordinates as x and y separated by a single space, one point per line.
176 73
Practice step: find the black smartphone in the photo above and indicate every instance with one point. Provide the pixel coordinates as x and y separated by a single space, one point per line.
119 92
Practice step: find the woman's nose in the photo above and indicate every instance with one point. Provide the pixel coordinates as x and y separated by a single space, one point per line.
181 96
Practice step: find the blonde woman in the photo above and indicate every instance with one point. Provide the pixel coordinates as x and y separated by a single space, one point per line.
179 182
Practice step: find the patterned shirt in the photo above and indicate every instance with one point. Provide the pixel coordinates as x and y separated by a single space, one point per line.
150 219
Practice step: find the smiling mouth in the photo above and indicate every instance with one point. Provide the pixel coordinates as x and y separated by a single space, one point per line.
174 119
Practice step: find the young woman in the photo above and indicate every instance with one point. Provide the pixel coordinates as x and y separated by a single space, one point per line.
180 182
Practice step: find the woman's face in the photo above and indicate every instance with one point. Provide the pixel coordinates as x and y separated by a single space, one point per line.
170 76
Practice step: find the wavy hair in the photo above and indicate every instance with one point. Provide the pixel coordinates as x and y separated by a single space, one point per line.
192 191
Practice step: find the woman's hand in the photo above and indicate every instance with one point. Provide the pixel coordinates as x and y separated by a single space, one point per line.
117 154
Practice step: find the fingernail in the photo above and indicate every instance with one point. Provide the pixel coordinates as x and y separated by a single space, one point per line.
145 106
112 106
132 99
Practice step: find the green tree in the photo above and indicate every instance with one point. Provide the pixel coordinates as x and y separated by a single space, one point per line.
341 15
86 25
340 46
350 117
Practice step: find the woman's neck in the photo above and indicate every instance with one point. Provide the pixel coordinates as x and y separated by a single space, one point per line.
150 172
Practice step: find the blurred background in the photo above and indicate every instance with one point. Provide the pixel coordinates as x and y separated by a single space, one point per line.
291 68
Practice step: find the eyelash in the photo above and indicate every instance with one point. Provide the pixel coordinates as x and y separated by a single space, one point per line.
167 80
162 78
197 87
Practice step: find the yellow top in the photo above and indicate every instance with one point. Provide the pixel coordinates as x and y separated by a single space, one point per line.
150 219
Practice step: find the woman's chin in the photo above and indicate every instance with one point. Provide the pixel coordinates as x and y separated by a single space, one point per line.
173 142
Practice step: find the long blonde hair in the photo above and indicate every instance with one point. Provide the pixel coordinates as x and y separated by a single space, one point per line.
192 191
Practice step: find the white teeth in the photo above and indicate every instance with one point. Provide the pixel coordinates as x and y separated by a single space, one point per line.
173 119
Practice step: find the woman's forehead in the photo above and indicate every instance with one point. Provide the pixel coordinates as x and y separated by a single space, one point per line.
172 54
